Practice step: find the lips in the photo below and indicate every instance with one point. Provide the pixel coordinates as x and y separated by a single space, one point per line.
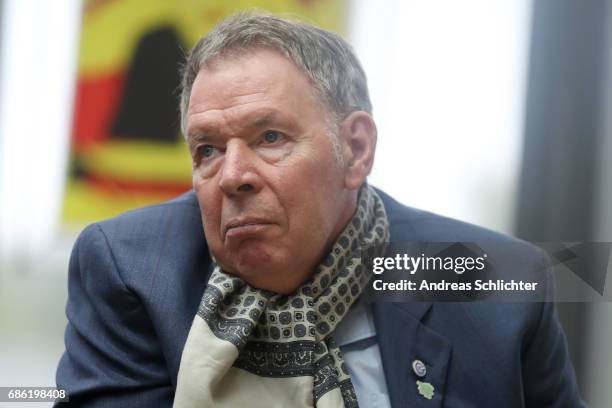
246 224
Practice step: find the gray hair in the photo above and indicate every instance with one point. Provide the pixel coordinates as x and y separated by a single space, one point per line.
324 57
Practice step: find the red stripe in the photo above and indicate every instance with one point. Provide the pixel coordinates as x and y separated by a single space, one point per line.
114 185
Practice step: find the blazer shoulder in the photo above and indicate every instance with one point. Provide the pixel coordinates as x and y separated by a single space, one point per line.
145 240
153 218
409 224
412 224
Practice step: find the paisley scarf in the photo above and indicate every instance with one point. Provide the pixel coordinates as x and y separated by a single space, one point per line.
249 347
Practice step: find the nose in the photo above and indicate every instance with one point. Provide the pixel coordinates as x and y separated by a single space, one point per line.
238 172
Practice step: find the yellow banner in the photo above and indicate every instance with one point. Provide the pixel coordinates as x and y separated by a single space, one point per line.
127 150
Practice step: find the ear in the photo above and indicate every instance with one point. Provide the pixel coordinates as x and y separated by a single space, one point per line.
358 132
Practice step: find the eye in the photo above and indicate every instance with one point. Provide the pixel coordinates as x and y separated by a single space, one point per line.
206 151
271 137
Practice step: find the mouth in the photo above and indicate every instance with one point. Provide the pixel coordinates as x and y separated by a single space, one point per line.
242 226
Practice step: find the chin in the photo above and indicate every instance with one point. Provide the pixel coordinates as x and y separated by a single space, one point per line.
253 255
263 267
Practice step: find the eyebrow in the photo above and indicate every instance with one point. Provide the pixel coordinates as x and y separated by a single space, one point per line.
199 137
263 121
202 135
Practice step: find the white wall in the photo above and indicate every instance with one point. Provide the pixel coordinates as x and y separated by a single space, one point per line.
39 46
447 80
39 51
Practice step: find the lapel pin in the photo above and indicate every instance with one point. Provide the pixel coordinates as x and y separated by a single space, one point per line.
419 368
425 389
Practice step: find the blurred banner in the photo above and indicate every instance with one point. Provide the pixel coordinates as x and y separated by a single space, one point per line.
127 149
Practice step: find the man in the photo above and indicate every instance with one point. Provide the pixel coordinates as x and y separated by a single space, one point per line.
244 292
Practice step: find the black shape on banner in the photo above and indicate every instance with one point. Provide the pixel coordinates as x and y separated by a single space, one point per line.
148 109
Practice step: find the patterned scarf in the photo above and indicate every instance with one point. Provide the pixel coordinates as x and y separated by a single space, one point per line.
253 348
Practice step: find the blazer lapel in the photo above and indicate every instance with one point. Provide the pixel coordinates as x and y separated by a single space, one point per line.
402 339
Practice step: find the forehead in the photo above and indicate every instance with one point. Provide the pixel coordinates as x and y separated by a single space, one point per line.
260 78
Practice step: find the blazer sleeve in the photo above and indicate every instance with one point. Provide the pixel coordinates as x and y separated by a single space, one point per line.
112 358
548 375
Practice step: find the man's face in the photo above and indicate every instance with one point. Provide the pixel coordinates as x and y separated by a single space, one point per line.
271 191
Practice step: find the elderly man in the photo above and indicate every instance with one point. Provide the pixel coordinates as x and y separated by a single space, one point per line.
244 292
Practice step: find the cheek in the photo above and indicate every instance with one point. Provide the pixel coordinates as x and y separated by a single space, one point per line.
311 196
210 208
211 229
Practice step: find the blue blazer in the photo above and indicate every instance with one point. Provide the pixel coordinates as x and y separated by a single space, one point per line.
135 283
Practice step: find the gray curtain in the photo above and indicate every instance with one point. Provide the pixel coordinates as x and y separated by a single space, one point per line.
563 129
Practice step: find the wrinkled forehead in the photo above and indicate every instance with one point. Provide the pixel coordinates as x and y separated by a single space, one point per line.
241 78
258 87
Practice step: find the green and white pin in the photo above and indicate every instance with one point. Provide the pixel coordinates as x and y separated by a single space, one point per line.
425 389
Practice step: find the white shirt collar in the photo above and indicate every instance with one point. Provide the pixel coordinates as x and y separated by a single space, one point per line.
357 325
